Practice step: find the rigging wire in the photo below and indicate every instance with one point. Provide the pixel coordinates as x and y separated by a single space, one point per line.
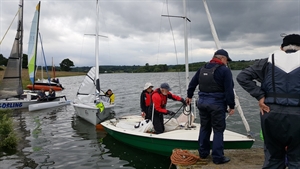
175 49
9 26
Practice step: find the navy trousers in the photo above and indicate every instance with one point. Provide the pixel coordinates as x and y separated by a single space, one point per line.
281 129
212 118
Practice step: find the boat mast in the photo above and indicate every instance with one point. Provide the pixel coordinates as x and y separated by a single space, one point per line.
20 46
45 62
32 49
38 7
212 27
218 45
20 29
97 48
187 79
53 69
186 19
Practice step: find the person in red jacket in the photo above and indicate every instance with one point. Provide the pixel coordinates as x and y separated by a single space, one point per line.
159 99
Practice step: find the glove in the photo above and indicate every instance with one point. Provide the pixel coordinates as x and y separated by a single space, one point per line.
171 113
183 102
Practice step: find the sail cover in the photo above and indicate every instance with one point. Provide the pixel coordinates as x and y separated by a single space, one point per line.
12 83
32 44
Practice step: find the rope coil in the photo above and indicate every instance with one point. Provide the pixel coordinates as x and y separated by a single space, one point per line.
183 157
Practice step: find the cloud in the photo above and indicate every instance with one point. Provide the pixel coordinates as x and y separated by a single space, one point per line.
138 34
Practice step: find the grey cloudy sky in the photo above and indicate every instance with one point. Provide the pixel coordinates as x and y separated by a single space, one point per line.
138 34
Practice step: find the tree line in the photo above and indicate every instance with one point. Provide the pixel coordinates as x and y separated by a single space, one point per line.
68 65
234 65
65 65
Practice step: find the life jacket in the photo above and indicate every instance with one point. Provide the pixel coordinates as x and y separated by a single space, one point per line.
206 80
164 98
147 99
282 77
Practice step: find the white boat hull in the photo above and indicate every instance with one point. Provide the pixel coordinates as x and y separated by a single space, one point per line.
16 104
46 105
90 113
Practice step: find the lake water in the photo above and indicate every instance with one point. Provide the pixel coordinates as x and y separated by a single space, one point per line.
56 138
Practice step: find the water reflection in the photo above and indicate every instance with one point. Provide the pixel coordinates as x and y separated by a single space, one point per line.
92 139
136 158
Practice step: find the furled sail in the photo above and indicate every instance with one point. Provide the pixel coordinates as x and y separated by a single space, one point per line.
11 85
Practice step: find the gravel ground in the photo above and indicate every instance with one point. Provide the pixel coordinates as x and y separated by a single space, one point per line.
242 158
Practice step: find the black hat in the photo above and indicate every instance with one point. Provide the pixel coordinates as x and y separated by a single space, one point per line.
292 39
165 86
223 52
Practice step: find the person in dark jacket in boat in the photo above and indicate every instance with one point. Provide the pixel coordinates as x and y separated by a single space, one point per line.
41 95
51 93
159 99
215 94
145 100
111 96
278 98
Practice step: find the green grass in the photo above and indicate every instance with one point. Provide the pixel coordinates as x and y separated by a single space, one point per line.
8 136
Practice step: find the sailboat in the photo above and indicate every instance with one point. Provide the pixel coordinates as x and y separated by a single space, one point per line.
179 134
11 89
45 84
49 102
92 105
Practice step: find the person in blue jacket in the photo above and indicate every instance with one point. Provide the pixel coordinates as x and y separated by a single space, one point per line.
215 94
41 95
278 96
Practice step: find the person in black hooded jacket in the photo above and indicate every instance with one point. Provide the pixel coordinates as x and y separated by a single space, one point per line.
278 97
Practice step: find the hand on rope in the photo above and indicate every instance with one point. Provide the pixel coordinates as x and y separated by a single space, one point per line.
171 113
183 102
188 101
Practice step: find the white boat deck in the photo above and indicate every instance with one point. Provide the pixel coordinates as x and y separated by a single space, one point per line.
127 125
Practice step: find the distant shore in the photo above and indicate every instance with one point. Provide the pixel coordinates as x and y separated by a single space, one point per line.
25 75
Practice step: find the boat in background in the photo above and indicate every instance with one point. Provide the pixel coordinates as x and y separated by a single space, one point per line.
45 84
180 133
91 104
11 89
45 105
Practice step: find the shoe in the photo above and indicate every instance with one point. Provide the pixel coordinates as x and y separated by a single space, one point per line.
203 157
224 160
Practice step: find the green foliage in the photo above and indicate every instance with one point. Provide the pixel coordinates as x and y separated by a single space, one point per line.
7 135
3 60
234 65
25 61
66 64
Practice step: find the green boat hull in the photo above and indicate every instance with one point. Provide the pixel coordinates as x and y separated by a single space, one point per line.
166 146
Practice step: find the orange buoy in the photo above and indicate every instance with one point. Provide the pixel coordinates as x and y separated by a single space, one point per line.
99 127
